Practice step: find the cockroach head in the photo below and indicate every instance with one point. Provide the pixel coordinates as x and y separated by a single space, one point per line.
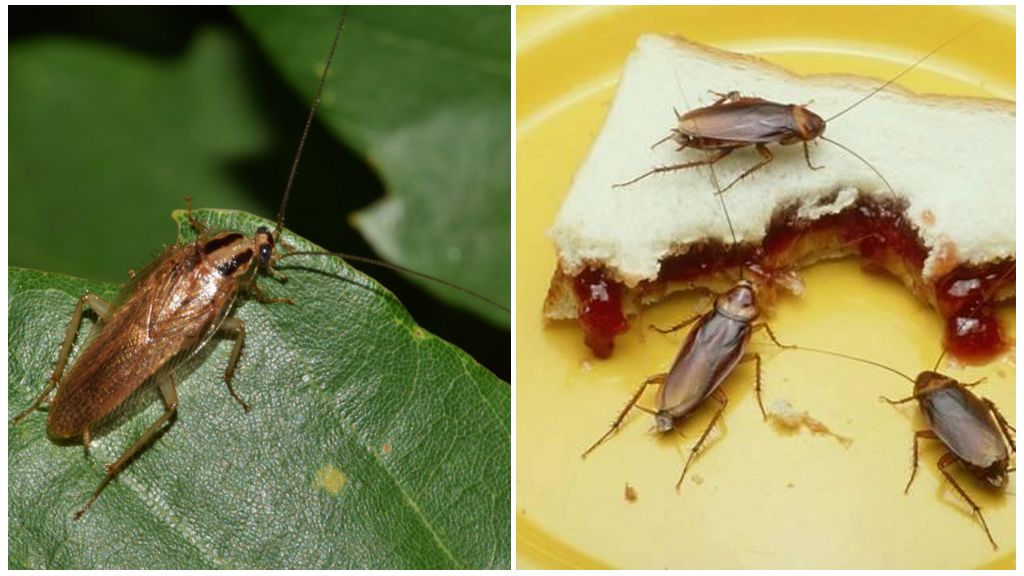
929 381
264 245
808 124
739 302
663 422
994 474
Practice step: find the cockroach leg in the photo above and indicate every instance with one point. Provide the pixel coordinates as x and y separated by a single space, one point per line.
86 438
900 401
913 469
771 335
103 310
766 158
36 404
722 400
1008 430
722 97
673 167
757 379
194 223
950 458
170 397
807 157
678 326
656 379
263 298
237 326
673 133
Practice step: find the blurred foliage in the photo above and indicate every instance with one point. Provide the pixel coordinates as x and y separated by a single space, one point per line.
117 114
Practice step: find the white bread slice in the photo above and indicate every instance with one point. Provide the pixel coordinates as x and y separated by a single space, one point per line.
951 159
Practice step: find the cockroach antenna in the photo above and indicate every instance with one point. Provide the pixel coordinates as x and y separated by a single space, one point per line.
291 182
397 268
309 123
905 71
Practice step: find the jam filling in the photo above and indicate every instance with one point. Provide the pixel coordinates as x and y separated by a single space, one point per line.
876 230
600 311
964 298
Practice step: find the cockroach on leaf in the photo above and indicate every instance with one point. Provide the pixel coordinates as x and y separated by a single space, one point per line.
734 121
166 314
973 430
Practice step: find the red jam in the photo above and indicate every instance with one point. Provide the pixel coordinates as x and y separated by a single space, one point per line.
877 230
702 260
600 310
965 300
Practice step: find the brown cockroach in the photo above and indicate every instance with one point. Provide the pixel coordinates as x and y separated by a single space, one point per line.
711 351
734 121
972 428
164 315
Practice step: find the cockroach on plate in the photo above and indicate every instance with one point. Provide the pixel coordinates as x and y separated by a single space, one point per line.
734 121
973 430
165 314
711 351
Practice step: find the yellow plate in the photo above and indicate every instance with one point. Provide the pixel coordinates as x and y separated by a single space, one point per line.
757 497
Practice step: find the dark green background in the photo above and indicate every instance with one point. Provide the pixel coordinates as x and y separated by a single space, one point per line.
116 114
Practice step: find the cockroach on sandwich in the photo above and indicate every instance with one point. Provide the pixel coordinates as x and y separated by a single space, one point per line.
734 121
713 348
165 314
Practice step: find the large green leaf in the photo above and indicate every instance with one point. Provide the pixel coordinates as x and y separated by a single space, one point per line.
371 443
436 125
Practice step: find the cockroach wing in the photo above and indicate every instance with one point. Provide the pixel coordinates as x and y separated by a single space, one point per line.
740 122
964 424
172 309
712 350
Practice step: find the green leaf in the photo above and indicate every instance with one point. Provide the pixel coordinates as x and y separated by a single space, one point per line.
424 94
371 443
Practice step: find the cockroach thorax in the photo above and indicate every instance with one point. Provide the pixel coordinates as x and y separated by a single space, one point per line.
739 302
929 381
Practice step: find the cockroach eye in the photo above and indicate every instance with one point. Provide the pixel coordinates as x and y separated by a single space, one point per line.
266 245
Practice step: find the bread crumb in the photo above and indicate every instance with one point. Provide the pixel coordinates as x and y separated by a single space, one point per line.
945 256
630 493
927 217
586 366
698 479
785 416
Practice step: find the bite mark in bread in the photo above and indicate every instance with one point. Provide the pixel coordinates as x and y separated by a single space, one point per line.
951 161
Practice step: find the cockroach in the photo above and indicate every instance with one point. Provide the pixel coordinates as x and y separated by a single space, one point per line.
734 121
164 315
973 430
711 351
